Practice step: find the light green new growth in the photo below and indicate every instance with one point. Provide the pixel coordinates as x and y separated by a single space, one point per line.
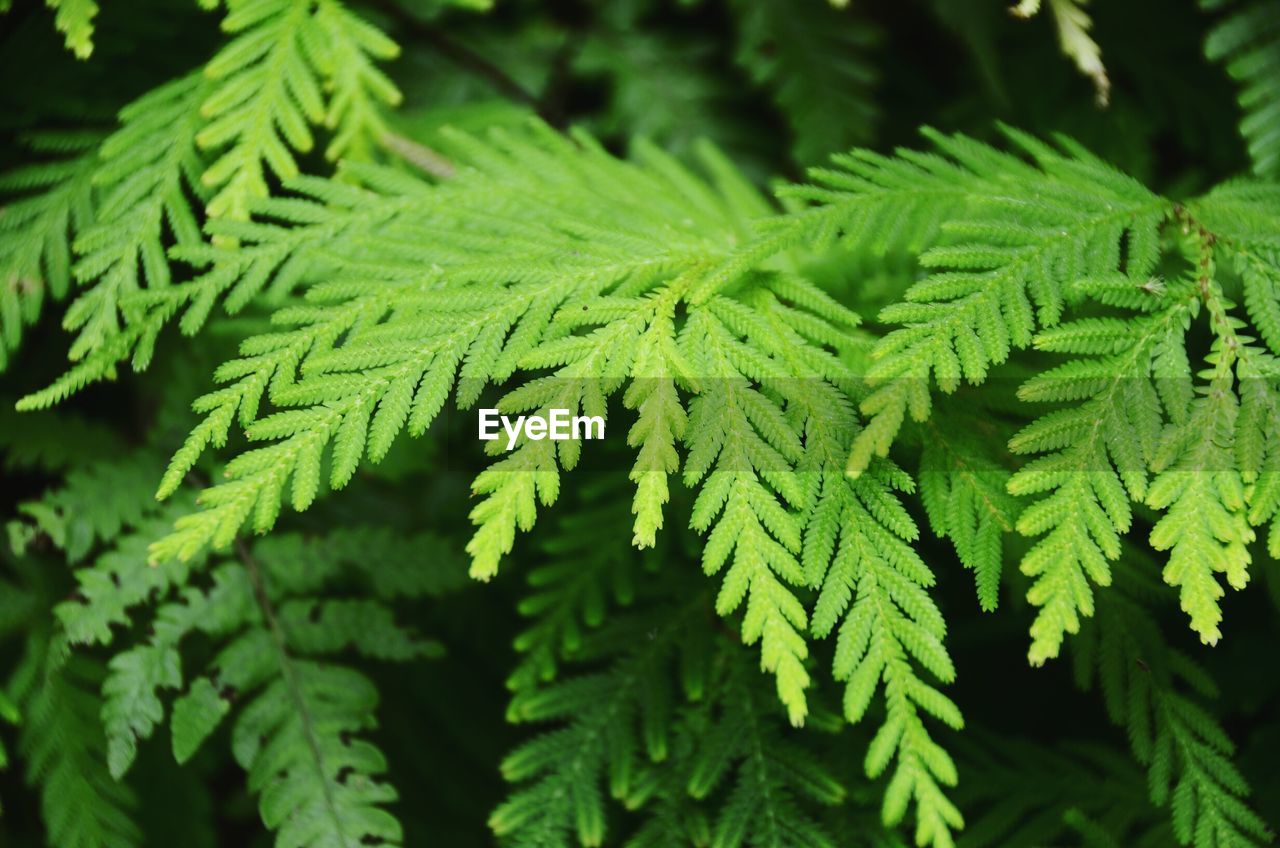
74 19
1030 243
293 64
653 234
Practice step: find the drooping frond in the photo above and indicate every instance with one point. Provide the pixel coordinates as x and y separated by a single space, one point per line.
963 489
615 720
1247 41
1098 450
292 65
874 596
1242 218
815 63
74 19
773 787
147 170
1073 24
587 566
1157 695
589 302
62 745
1205 527
1028 244
708 762
999 272
1146 430
277 618
37 228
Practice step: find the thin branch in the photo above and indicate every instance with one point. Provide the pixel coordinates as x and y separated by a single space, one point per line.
419 155
466 58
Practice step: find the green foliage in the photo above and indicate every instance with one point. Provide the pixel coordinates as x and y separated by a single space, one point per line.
147 171
292 64
1247 40
74 19
963 489
875 588
745 620
659 750
295 731
744 461
814 62
36 230
662 88
96 502
62 744
1070 798
1156 694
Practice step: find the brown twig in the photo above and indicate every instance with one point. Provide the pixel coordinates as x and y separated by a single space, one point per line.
419 155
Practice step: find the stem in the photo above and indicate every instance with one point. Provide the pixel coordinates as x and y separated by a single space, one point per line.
290 676
419 155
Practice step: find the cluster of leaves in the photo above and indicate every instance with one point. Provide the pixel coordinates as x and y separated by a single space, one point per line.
822 402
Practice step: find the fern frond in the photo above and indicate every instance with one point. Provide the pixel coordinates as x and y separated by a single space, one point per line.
1247 41
624 729
74 19
62 745
1204 528
292 64
626 245
963 490
267 255
1028 794
873 595
146 171
1099 451
587 566
1028 231
1242 217
773 784
295 733
814 61
615 719
118 581
36 230
1156 694
95 503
